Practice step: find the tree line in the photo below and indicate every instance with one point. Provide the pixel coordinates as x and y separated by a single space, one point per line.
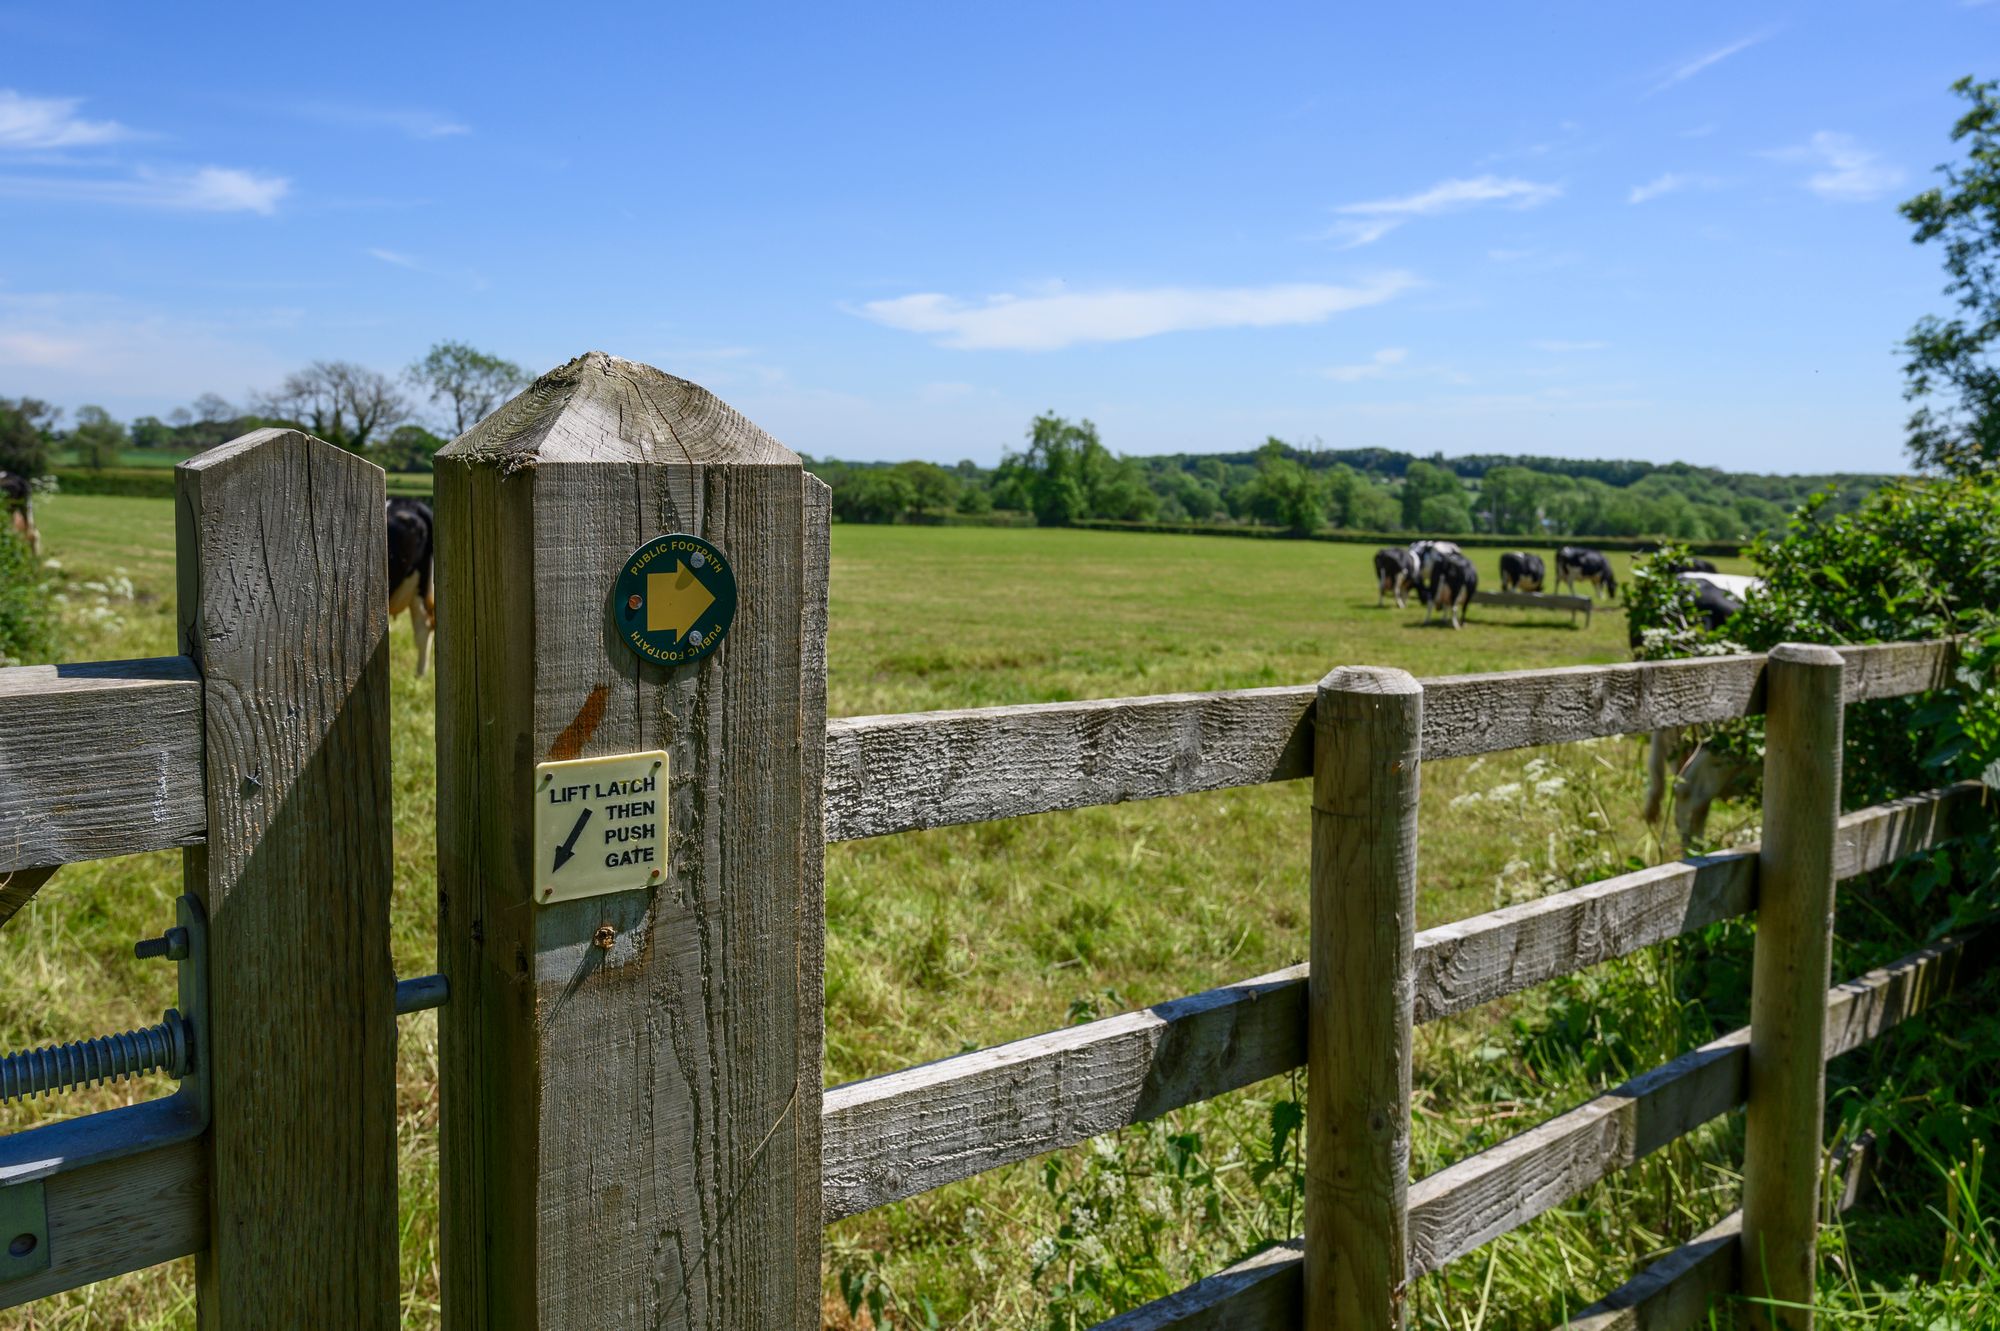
343 403
1066 475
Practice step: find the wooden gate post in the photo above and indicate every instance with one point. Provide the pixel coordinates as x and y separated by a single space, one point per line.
284 607
631 1082
1360 994
1788 982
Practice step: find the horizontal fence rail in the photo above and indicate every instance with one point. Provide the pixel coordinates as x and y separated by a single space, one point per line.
1476 1200
921 770
905 1133
98 760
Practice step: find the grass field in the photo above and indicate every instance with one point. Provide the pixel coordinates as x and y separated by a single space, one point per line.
964 937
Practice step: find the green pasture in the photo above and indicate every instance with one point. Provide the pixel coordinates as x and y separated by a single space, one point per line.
964 937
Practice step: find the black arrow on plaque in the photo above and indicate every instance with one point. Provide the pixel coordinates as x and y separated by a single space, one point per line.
567 850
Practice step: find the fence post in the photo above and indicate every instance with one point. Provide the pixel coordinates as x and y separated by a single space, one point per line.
1788 982
631 1082
1367 739
283 591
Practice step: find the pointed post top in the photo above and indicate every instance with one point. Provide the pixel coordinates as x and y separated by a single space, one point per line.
603 408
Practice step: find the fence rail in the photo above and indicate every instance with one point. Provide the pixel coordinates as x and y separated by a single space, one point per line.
909 772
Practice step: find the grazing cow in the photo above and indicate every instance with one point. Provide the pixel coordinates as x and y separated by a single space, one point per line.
1453 580
1576 563
1395 574
1521 572
1702 775
1692 564
412 549
17 506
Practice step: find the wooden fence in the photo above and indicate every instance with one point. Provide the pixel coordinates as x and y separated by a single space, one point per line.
634 1128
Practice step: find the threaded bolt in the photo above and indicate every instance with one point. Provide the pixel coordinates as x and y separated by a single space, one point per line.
68 1067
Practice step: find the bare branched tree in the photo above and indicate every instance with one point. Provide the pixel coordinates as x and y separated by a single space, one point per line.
341 402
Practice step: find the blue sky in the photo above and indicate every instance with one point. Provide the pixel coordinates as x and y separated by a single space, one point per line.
1582 229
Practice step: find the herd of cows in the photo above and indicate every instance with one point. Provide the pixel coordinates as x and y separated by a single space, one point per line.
1441 574
1444 577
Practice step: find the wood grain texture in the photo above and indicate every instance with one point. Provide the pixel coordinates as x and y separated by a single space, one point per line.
920 770
905 1133
630 1134
1788 978
18 888
119 1216
898 1135
1264 1295
1360 995
284 608
99 759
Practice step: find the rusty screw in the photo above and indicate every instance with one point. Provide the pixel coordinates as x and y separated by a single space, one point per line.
604 937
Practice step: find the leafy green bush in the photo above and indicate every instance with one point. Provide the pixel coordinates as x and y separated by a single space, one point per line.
27 620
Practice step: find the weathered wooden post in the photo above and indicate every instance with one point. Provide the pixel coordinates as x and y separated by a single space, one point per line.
283 590
1788 982
1367 739
631 1077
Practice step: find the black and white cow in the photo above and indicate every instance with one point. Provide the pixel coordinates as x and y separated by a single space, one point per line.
1692 564
17 508
1451 581
1577 563
412 552
1521 572
1395 574
1702 775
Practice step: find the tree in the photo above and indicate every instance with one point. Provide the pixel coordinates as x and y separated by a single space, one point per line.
1055 474
872 494
1948 367
1285 493
341 402
98 439
211 408
931 486
26 425
409 448
1446 512
473 382
1420 482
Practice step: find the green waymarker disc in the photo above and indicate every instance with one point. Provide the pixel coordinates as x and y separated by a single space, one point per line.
674 599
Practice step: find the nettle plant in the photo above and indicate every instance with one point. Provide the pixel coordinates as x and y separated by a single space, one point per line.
1920 559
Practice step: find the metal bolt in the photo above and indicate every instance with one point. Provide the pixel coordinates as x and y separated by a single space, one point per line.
67 1067
604 937
22 1245
698 558
173 945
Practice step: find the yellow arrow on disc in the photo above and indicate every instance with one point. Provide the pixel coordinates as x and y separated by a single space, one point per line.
675 600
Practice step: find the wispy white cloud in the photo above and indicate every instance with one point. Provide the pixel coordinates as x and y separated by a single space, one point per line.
1849 172
208 189
1557 344
411 122
1681 73
1670 182
1375 367
93 347
1367 222
395 258
43 123
1063 318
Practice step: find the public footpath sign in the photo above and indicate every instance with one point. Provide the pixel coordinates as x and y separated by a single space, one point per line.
674 599
600 825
